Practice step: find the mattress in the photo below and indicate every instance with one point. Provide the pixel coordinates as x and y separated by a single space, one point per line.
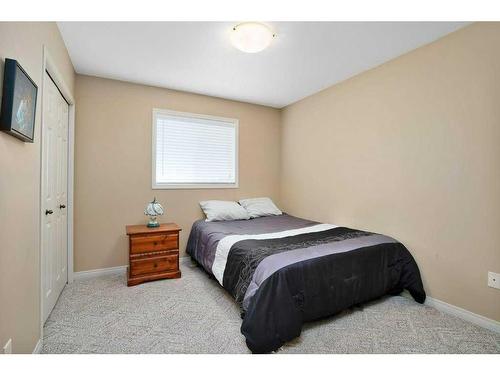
284 271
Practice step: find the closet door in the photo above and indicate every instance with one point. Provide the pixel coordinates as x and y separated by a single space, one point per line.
54 195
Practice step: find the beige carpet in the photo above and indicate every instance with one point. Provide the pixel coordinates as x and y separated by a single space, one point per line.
195 315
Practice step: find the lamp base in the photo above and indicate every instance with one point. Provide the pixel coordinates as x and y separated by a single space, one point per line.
153 223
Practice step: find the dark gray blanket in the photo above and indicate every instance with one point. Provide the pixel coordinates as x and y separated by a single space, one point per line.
283 279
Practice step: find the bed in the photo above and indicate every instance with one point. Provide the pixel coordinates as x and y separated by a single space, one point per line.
284 271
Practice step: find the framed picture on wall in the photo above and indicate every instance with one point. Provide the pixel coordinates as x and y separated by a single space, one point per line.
18 102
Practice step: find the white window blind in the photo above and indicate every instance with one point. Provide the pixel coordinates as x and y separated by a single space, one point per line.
194 150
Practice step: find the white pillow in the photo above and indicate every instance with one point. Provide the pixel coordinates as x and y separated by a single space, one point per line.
223 211
257 207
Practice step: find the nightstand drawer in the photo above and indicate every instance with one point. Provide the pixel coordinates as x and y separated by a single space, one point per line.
146 244
154 264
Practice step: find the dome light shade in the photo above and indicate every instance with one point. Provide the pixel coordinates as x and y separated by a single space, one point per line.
251 37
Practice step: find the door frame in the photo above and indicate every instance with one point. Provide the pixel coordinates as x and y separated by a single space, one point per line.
50 66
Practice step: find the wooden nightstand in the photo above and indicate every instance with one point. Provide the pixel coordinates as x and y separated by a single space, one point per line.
153 253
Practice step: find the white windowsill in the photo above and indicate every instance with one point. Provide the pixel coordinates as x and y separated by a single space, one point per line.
194 186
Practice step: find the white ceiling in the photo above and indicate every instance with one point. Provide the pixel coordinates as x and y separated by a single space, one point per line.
305 58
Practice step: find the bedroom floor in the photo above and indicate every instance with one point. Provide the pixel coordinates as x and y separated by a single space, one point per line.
194 315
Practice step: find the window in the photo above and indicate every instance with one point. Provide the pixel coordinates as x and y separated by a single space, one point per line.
194 151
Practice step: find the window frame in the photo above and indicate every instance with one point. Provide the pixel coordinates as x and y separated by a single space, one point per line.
169 186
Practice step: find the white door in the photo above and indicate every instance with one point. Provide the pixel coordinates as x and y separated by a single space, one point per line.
54 256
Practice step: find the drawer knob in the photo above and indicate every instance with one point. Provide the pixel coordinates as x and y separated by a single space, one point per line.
155 265
155 243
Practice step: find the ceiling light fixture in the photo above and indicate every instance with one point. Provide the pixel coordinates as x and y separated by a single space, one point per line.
251 37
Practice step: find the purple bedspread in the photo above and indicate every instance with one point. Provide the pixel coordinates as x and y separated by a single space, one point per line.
284 271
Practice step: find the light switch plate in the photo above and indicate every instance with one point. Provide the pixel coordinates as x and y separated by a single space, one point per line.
7 349
494 280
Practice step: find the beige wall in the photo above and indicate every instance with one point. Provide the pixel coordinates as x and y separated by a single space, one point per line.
20 190
411 149
113 163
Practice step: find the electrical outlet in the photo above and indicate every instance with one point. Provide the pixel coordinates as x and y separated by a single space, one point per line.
494 280
7 349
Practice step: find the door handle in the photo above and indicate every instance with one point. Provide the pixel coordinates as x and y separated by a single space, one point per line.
62 206
49 212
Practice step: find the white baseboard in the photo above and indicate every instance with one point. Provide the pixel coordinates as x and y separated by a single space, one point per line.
466 315
38 347
83 275
463 314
